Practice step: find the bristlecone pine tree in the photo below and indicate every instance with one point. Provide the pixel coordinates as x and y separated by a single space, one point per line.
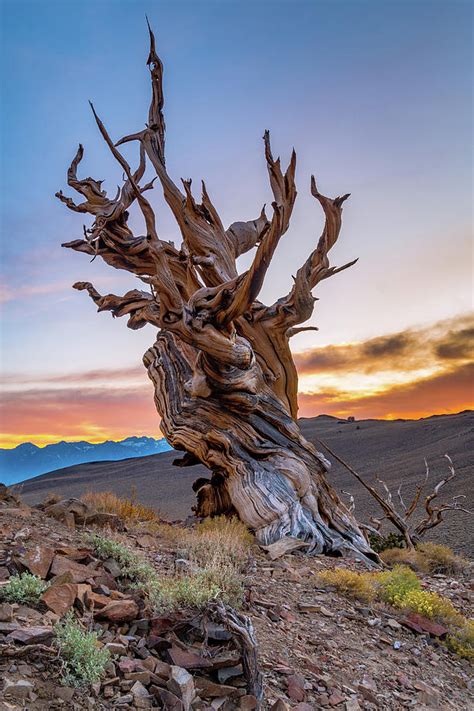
224 378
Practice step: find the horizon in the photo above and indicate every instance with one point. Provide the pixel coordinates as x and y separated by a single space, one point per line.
159 439
395 331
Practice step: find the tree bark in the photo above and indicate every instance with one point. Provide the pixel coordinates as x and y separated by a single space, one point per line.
224 378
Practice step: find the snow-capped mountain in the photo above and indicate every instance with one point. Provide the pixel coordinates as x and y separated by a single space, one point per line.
27 460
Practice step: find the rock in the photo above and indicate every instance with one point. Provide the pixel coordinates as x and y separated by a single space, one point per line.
249 702
38 560
20 690
124 700
296 690
31 635
113 567
170 701
141 697
188 660
423 625
75 507
225 673
352 705
209 690
284 545
118 611
65 693
60 598
79 573
393 624
6 612
98 602
335 699
182 685
280 705
116 648
142 676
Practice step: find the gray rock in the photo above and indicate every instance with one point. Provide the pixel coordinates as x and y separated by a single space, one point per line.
182 685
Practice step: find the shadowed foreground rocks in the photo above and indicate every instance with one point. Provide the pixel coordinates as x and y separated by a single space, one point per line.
309 648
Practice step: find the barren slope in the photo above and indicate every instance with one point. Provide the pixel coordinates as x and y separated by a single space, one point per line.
393 450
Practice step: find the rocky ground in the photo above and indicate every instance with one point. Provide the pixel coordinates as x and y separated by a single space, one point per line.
316 650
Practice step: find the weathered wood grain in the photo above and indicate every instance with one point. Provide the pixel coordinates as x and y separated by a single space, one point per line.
224 379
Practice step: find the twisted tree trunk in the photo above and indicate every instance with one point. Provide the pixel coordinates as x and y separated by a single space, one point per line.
225 382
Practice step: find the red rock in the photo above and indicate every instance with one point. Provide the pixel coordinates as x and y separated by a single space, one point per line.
80 573
208 689
296 690
31 635
187 660
128 665
60 598
335 699
249 702
98 602
119 611
423 625
38 560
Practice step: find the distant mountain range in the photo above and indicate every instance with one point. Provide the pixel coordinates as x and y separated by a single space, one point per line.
27 460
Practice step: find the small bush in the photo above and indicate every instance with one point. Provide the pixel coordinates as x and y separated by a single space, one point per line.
394 584
194 590
401 556
461 642
132 565
380 543
23 589
350 583
437 558
426 558
127 509
220 550
84 661
432 605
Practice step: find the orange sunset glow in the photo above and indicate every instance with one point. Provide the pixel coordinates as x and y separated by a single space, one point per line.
410 374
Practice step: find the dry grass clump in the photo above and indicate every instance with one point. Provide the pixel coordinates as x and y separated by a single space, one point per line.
127 509
426 558
169 531
439 559
219 548
350 583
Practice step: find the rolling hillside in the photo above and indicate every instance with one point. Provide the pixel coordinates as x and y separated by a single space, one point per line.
393 450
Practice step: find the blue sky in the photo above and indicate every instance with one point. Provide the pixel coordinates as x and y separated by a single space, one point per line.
375 96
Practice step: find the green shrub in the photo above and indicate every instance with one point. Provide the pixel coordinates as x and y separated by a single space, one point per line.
394 584
84 661
170 593
132 566
380 543
24 589
461 641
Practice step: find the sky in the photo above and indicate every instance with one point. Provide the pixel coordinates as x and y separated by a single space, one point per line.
376 98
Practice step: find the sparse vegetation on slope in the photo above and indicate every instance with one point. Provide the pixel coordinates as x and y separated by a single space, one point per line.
84 661
129 509
426 558
23 589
